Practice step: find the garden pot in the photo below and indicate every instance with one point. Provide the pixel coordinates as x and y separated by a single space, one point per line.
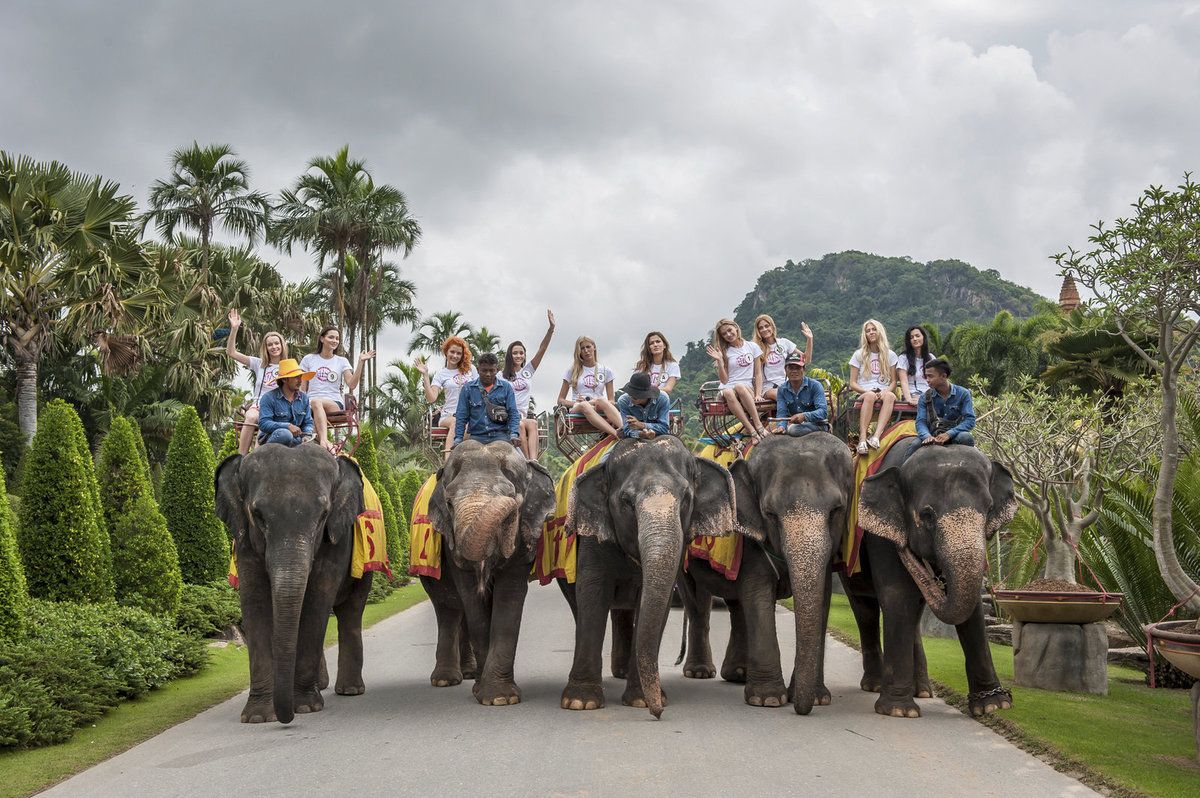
1045 606
1179 644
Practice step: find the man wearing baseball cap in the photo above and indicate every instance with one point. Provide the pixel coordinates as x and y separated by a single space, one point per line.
284 415
800 402
645 409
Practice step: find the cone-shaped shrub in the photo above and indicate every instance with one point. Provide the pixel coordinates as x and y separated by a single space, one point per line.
145 564
63 543
142 453
229 444
12 575
369 463
410 486
398 543
188 503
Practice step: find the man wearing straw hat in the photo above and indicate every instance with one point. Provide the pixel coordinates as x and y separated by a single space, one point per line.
284 413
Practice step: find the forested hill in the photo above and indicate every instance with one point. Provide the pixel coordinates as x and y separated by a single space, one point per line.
837 293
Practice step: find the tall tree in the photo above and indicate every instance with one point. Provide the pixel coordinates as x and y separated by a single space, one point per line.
207 185
437 328
385 225
483 340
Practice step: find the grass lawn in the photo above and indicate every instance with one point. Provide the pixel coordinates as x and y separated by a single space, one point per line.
228 673
1134 741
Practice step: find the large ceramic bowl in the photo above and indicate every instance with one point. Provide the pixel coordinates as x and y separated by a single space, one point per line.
1046 606
1179 643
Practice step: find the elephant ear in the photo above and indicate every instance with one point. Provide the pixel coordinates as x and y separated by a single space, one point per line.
346 502
1004 501
749 518
539 503
439 509
587 509
881 506
714 506
231 505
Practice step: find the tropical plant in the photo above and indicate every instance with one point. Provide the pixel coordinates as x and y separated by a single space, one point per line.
1089 353
13 592
435 329
402 403
999 353
483 340
189 503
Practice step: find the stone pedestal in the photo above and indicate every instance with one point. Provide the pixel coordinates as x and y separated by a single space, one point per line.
1069 657
931 626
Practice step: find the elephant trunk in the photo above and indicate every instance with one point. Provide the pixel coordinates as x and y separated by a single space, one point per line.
962 557
660 545
289 579
807 548
484 521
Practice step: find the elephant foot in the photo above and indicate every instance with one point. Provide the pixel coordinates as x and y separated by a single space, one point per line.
734 672
496 694
258 710
871 683
699 670
350 687
470 670
578 696
766 694
897 707
989 701
620 671
322 672
824 698
633 697
922 689
445 677
308 701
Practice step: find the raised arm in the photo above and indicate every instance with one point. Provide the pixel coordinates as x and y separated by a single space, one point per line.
431 392
235 323
537 358
353 377
808 342
719 360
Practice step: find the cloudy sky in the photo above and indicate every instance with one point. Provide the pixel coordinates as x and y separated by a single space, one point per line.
637 165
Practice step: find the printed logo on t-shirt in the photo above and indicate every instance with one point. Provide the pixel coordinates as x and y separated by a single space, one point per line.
744 359
520 381
656 377
269 378
461 379
326 374
875 365
589 381
776 354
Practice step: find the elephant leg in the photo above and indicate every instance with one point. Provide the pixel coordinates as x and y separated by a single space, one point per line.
922 687
451 635
622 643
323 671
349 612
496 686
986 693
478 611
764 674
466 654
733 667
697 607
866 616
254 591
594 592
901 616
568 591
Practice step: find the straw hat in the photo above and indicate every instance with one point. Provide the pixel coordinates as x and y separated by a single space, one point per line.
288 367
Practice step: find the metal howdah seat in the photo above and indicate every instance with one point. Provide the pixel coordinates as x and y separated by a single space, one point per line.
849 404
574 434
343 426
720 425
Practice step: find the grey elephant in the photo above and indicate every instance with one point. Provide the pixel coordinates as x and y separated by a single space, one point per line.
634 514
489 505
928 520
291 513
793 495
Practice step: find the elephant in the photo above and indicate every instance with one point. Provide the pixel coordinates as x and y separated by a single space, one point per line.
633 515
291 514
927 521
489 505
793 495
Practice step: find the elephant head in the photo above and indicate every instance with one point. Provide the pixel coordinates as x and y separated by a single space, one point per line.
940 508
489 500
282 505
793 495
649 498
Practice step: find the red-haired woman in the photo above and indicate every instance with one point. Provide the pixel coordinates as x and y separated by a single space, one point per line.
448 381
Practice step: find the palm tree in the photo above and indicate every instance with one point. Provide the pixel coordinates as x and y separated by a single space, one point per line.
1092 355
69 265
402 402
437 328
385 225
483 340
207 185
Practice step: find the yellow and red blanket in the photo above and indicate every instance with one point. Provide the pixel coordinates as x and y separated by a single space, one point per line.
424 542
847 560
556 549
724 554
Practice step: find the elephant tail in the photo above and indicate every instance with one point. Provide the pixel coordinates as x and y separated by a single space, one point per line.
683 642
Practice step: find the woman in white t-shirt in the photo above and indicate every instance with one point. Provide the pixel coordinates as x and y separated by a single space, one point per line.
873 375
910 367
448 381
657 361
272 350
520 373
775 350
332 372
739 368
591 389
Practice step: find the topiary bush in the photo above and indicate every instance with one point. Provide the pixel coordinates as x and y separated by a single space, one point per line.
207 610
12 576
410 486
188 503
61 536
143 455
229 444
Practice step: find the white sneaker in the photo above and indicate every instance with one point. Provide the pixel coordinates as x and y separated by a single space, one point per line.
873 442
862 447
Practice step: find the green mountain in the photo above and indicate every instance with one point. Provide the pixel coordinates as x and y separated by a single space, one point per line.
837 293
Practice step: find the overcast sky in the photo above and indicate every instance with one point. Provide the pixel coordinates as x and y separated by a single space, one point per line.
637 165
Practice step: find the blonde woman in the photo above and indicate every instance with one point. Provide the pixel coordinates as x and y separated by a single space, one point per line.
739 368
265 369
873 375
590 386
775 351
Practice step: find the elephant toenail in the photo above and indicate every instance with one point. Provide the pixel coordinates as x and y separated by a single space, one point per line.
592 705
772 702
576 704
755 701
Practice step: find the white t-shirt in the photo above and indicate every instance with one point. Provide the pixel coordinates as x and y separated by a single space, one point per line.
521 383
451 382
773 371
916 380
264 378
327 384
739 364
590 384
873 376
661 372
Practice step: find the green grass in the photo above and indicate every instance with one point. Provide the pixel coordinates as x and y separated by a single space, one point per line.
1134 741
132 722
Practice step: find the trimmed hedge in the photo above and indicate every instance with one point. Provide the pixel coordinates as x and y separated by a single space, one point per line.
143 455
189 505
120 473
13 593
208 610
64 545
398 556
410 486
229 444
368 460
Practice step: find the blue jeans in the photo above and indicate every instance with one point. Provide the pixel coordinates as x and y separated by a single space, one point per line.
803 428
282 435
958 438
491 437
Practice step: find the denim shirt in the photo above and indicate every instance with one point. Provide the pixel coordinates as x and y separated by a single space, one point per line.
276 412
472 414
809 400
957 409
656 414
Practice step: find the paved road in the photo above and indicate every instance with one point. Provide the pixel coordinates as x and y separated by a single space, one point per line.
406 738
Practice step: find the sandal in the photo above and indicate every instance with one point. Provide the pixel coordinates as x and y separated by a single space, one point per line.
862 448
873 442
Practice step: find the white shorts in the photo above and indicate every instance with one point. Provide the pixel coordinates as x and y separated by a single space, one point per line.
725 385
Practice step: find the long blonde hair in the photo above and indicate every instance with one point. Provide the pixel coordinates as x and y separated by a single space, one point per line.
758 339
263 357
577 366
881 343
718 341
